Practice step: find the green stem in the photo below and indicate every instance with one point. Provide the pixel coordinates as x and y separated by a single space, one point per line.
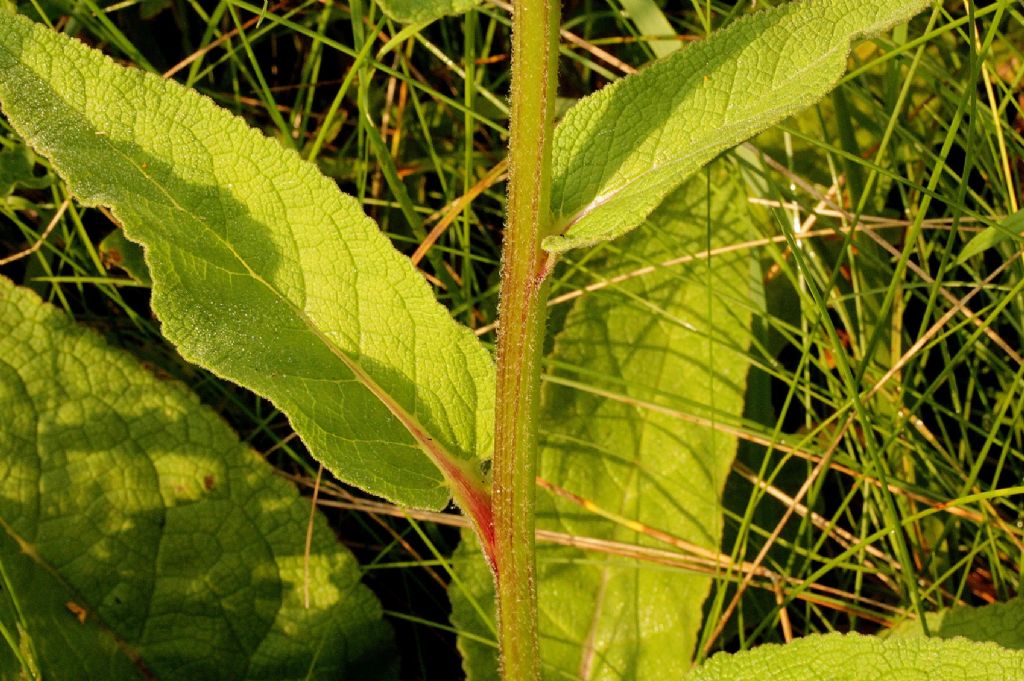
524 266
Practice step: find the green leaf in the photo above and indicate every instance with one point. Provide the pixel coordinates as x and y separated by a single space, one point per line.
619 152
39 617
650 21
1010 228
17 168
1001 623
263 272
660 340
424 11
117 251
853 657
174 538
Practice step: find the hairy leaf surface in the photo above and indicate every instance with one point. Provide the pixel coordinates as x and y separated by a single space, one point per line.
619 152
673 338
853 657
262 270
423 11
169 534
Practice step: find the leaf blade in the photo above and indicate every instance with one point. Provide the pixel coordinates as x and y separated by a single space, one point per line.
829 656
650 21
620 151
171 534
1008 228
999 623
263 271
54 636
424 11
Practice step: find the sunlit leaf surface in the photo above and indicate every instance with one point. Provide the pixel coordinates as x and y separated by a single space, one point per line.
173 549
263 272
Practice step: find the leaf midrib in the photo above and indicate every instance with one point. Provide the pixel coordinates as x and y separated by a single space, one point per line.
446 463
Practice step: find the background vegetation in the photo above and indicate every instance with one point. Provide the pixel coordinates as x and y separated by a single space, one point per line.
889 368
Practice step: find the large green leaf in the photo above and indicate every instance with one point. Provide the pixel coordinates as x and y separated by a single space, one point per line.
619 152
170 534
853 657
677 338
262 270
423 11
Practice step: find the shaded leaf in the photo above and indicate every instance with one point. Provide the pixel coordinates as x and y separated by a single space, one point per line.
650 21
263 271
169 533
677 338
1001 623
17 168
117 251
54 636
1010 228
853 657
619 152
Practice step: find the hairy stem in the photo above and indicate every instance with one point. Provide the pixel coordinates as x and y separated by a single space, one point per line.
521 331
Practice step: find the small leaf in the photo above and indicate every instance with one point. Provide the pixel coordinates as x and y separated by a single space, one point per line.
263 272
1010 228
117 251
171 535
651 22
853 657
1001 623
619 152
17 169
424 11
659 340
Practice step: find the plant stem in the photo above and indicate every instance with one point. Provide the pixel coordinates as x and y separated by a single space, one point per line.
521 318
